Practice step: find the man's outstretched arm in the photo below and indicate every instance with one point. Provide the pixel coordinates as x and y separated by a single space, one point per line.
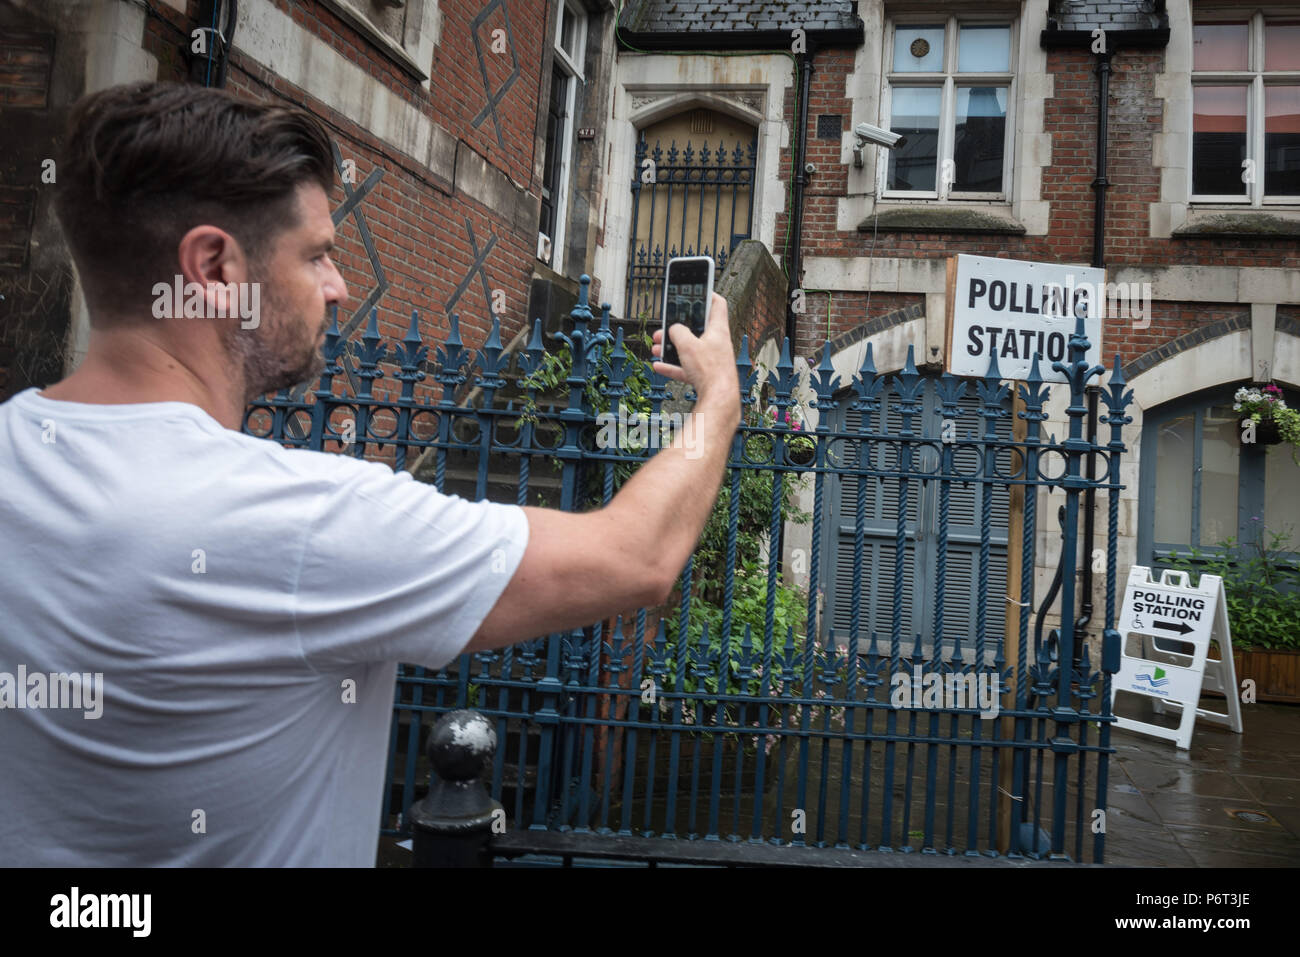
580 568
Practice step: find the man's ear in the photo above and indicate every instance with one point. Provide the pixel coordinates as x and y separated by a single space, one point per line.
212 265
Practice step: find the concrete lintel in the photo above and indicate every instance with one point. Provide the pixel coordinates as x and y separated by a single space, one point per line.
940 219
903 274
1245 223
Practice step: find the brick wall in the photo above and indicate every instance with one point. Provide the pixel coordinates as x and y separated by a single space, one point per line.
421 227
844 313
755 290
420 223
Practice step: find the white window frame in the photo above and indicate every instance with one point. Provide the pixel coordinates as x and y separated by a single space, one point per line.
949 79
1255 80
565 137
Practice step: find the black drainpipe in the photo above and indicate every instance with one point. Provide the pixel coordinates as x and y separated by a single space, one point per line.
209 68
1057 39
1099 185
796 201
796 227
1101 182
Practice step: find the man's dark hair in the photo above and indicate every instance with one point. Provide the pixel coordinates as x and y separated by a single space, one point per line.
145 163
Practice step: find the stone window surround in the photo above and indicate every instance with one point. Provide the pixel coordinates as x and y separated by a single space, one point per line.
414 53
1006 79
574 71
1031 146
651 87
1171 147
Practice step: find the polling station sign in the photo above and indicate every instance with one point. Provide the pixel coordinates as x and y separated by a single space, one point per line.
1165 629
1015 310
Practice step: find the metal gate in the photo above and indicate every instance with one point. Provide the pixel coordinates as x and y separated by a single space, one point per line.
751 726
924 524
685 203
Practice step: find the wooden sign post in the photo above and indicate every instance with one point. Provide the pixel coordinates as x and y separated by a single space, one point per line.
1008 811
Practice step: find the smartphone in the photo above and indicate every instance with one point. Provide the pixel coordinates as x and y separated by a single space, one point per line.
688 293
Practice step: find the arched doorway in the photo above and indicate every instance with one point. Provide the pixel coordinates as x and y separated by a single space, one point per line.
692 195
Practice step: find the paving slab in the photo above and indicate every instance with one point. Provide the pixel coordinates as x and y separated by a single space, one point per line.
1230 800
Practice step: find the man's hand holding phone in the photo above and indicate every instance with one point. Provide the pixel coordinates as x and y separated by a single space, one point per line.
708 361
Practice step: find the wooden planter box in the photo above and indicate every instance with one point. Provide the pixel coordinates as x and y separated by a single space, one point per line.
1276 673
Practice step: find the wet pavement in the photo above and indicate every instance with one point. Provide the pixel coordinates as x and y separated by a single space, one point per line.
1231 800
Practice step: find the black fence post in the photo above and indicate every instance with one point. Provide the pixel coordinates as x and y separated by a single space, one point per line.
452 826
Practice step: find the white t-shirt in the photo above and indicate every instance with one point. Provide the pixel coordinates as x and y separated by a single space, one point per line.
246 606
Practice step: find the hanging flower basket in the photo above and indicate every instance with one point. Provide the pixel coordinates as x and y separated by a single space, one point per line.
1265 431
1265 418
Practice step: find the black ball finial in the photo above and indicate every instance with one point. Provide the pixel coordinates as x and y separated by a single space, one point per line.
461 745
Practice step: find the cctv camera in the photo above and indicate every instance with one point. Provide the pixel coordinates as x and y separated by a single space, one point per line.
866 133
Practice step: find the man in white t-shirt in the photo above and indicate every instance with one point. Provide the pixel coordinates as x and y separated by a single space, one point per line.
201 629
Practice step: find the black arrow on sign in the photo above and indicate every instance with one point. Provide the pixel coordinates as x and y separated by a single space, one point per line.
1181 627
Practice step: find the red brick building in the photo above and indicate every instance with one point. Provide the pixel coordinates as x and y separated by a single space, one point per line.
457 127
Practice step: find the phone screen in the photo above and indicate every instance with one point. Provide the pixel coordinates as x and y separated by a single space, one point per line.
687 289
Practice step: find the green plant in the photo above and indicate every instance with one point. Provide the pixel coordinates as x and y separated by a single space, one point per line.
754 518
748 607
554 370
1261 585
802 444
784 671
792 419
556 367
754 506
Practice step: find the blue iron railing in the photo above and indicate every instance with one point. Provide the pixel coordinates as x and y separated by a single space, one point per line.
797 738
